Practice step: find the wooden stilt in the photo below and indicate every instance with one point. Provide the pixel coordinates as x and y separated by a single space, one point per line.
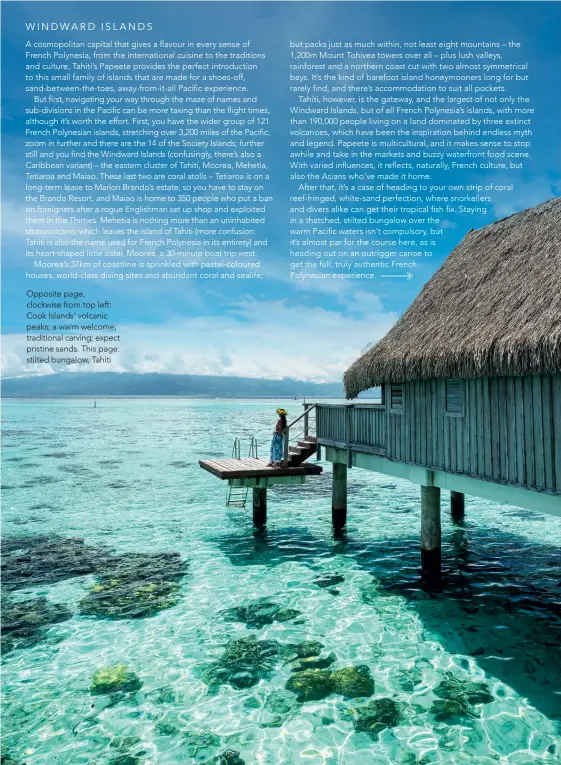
457 505
339 495
430 529
259 506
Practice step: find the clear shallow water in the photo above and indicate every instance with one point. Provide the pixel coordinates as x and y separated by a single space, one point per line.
126 476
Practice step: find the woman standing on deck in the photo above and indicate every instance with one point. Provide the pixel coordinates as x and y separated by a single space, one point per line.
277 443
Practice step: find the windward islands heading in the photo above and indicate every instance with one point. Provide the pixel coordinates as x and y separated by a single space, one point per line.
88 26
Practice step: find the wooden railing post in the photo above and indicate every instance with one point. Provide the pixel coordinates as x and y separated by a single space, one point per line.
306 421
286 446
349 434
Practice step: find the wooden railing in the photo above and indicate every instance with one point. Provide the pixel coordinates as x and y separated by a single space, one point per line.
354 427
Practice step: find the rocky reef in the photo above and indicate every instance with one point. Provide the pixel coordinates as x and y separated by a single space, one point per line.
229 757
308 648
308 656
24 621
317 684
260 613
115 679
201 743
244 663
310 685
128 586
353 682
457 698
135 586
43 559
377 715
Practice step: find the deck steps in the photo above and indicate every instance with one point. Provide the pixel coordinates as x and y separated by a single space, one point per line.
302 451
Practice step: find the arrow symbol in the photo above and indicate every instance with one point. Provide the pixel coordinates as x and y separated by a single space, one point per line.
407 276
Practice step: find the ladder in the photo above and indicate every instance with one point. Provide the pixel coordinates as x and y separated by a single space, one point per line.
236 496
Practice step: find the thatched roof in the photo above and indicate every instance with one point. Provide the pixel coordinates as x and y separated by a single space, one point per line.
493 308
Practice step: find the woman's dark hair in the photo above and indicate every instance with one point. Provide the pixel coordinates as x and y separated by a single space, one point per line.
283 420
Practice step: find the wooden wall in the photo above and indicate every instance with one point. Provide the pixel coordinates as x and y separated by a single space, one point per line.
509 429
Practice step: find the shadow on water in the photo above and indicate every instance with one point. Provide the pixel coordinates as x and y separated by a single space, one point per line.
497 600
266 547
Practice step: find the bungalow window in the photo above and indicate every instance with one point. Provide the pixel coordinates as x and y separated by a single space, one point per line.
396 397
454 404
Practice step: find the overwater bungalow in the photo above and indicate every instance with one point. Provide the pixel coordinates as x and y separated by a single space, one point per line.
470 380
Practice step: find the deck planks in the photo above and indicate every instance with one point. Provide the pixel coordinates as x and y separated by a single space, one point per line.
254 468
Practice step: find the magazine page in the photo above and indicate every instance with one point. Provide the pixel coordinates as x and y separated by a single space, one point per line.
281 382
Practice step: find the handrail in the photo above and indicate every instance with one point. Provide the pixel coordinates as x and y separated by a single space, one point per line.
236 449
253 448
286 443
353 404
306 411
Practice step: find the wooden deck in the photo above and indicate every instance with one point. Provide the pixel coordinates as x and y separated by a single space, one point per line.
255 468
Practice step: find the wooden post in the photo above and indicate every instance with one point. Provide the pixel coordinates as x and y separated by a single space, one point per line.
306 421
339 495
349 433
259 506
285 447
457 505
430 529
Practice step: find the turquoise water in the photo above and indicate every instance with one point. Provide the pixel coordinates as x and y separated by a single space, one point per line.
124 477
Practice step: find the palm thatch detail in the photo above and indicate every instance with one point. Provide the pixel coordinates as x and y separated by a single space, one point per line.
492 309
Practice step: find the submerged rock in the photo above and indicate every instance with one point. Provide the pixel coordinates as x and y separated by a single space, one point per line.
287 614
377 715
308 648
278 707
115 679
24 621
244 662
319 662
457 697
169 724
328 580
280 703
454 688
126 759
136 586
445 710
164 728
7 644
229 757
7 759
307 655
200 740
310 685
124 743
353 682
312 681
259 614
